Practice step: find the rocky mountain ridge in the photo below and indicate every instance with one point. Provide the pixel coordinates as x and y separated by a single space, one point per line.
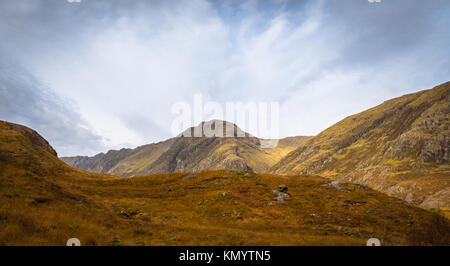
186 153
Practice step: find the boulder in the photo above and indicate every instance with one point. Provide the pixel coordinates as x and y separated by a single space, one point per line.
124 214
280 196
282 188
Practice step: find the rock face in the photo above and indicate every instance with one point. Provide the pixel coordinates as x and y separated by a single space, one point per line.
401 147
190 154
100 163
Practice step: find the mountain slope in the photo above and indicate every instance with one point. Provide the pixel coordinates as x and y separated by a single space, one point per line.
39 202
31 135
190 154
45 202
400 147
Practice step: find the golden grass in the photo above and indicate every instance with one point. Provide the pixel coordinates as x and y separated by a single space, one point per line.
45 202
210 208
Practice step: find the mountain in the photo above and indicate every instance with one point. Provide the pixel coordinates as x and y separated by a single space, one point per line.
401 147
186 153
31 135
43 201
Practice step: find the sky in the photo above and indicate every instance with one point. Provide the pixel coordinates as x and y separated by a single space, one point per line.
104 74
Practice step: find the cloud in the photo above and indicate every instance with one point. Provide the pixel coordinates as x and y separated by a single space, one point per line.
25 101
376 32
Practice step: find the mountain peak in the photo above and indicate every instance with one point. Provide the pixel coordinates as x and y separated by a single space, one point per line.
215 128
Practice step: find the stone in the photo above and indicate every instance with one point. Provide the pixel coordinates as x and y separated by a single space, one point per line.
282 188
124 214
336 185
280 199
280 196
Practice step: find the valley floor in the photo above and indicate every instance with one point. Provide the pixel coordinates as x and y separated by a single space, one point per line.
208 208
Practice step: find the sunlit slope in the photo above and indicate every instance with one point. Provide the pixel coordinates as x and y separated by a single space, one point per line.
39 200
183 154
45 202
401 147
24 148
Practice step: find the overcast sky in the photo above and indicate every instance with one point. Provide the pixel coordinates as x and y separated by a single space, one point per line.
103 74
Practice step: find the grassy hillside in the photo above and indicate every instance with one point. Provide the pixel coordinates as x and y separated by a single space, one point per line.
401 147
46 202
183 154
